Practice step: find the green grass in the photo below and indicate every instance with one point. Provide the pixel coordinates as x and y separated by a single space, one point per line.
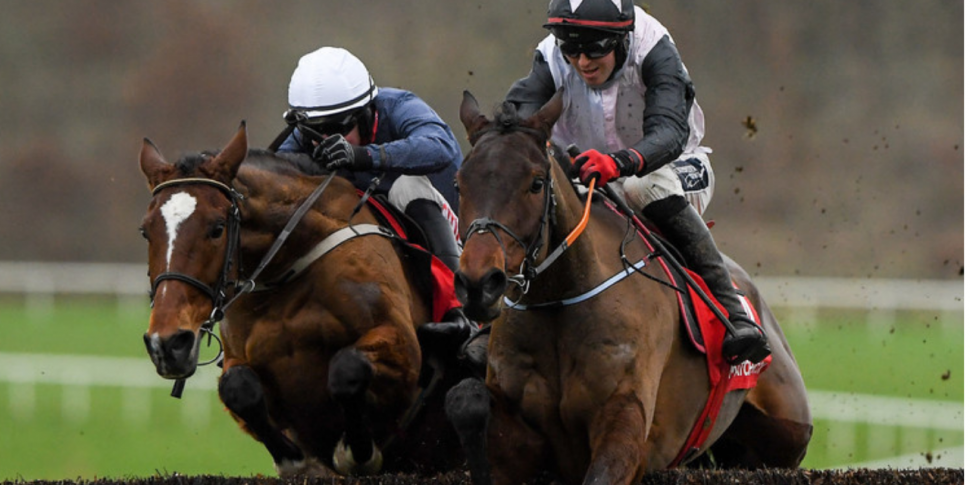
77 326
47 445
916 356
919 355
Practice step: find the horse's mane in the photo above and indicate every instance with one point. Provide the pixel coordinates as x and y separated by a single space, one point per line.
279 163
187 164
282 163
507 118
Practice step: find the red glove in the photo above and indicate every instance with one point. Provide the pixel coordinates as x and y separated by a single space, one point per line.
605 166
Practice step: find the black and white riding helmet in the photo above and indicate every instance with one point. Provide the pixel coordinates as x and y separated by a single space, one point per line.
331 92
330 81
592 26
607 16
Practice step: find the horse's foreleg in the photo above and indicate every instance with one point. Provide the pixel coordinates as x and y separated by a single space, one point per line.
618 442
350 376
516 451
468 408
241 392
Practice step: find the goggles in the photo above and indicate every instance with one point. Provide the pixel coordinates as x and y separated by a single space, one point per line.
593 49
340 124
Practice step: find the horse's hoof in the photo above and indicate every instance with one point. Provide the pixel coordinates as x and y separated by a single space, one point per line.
475 354
345 464
307 467
290 468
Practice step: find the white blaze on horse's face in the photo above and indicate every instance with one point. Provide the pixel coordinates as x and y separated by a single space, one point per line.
178 208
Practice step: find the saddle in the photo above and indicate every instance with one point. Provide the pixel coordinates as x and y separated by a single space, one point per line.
431 276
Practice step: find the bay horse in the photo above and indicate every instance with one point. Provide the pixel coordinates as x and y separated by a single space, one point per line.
593 387
325 369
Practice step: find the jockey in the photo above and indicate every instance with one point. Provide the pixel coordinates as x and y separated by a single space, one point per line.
347 124
629 103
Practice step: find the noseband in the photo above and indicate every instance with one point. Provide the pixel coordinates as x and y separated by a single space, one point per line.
528 269
217 292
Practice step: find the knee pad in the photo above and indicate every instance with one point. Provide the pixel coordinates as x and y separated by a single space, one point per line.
408 188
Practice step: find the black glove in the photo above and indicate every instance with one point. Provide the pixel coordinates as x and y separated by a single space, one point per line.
336 153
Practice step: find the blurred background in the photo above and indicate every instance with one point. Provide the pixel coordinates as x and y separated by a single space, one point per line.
837 130
855 168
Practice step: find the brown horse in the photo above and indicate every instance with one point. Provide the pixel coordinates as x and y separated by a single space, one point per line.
594 388
325 369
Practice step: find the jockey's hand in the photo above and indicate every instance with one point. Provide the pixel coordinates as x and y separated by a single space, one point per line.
605 167
336 153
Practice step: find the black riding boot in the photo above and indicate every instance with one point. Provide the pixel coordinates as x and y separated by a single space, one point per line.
684 227
454 330
437 230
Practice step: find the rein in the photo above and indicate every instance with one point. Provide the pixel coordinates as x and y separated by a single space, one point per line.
529 270
250 283
218 295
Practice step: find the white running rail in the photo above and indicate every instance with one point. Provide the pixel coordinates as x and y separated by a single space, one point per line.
129 279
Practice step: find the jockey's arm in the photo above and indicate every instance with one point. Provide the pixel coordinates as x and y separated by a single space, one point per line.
533 91
423 143
668 99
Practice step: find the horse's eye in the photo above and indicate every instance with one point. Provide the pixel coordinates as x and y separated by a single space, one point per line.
143 233
457 189
537 184
216 231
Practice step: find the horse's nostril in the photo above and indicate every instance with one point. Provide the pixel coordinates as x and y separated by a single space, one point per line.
181 344
494 283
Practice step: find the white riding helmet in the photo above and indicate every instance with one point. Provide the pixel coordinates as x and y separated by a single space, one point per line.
328 81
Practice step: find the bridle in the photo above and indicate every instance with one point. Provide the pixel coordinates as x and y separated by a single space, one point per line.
528 269
217 292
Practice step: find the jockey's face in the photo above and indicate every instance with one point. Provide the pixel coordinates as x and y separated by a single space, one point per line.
354 136
594 71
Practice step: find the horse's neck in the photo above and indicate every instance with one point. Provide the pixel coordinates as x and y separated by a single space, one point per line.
269 205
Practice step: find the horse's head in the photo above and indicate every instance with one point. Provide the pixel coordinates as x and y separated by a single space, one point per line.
506 201
191 226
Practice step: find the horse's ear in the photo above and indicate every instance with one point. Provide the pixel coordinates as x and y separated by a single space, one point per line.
471 116
223 167
153 165
547 115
